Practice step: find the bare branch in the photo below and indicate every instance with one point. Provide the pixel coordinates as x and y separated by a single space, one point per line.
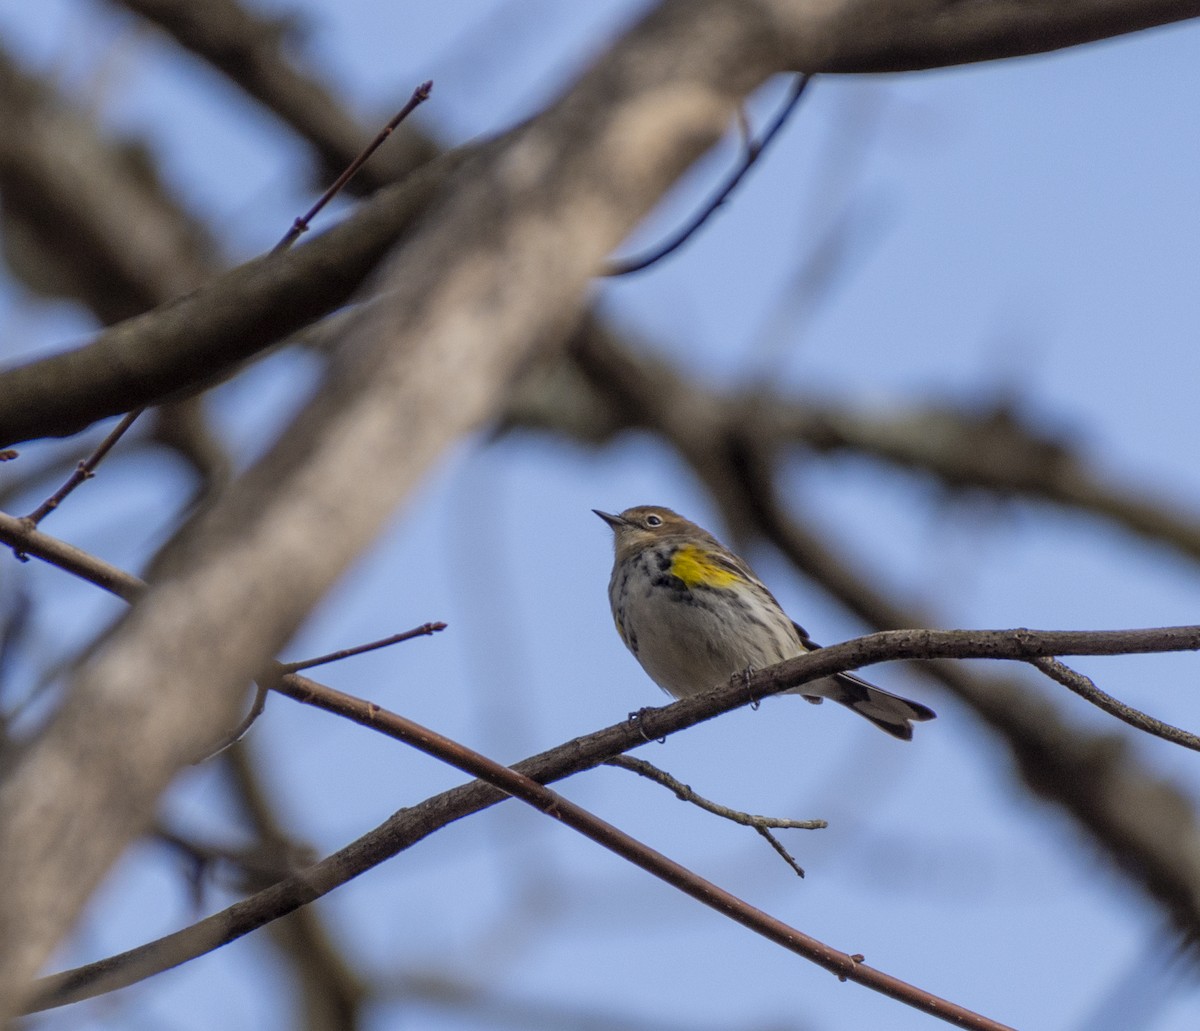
534 793
26 540
203 337
1086 689
754 150
85 470
248 47
685 794
300 226
412 824
762 824
387 840
263 686
237 319
424 630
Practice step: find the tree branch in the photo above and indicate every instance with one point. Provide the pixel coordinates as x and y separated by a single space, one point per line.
1142 822
1087 690
412 824
107 975
494 272
762 824
62 395
203 337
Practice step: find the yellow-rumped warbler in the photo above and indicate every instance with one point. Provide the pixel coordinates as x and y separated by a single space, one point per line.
694 614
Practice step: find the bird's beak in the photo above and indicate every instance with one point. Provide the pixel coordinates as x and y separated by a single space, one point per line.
616 522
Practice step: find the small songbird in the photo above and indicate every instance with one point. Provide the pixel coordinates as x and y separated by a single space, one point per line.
694 614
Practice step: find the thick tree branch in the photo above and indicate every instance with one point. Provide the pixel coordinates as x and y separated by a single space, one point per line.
498 269
62 395
202 337
69 194
993 449
249 49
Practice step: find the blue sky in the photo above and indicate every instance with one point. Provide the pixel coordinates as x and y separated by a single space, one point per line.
1027 230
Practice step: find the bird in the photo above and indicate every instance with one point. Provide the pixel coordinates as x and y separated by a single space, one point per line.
694 614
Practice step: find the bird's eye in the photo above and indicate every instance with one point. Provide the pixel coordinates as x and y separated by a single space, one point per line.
653 520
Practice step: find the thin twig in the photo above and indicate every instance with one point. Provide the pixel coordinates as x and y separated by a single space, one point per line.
262 862
424 630
300 226
784 854
262 688
261 691
762 824
754 150
85 470
1086 688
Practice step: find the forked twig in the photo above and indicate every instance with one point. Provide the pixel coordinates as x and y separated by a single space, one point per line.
762 824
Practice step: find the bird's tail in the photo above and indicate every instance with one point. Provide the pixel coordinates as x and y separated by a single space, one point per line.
887 711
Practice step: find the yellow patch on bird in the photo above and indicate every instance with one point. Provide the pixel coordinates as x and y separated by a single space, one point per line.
696 569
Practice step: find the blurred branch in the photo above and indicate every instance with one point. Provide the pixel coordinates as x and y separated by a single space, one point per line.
89 218
203 337
68 195
257 865
495 1009
332 993
992 450
248 48
778 35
